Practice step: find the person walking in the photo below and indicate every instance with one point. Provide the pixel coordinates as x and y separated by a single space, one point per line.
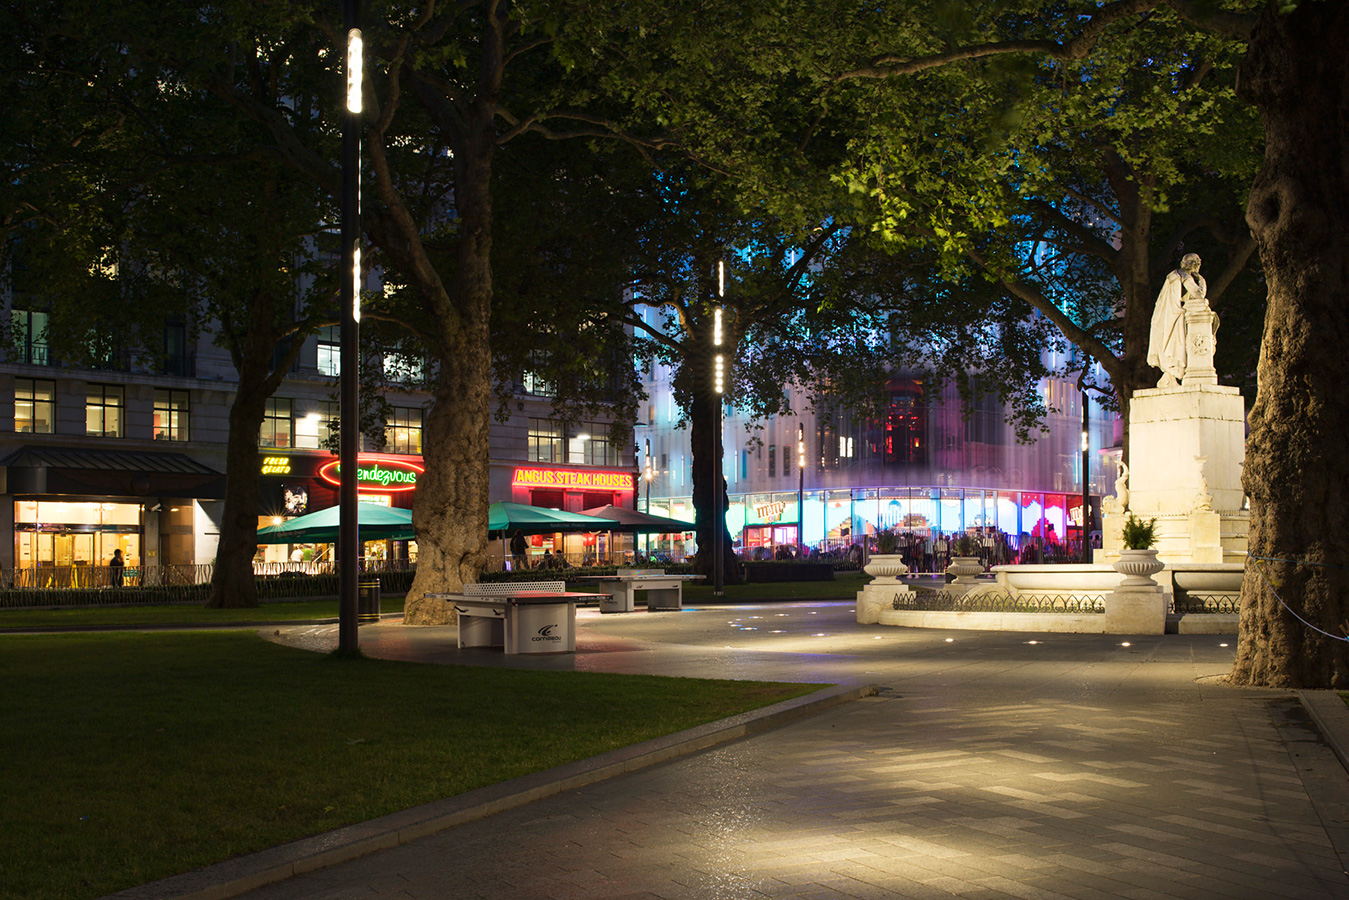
116 568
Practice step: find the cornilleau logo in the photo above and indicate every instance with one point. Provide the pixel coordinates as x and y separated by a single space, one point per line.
546 634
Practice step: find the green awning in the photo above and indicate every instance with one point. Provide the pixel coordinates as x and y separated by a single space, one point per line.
375 522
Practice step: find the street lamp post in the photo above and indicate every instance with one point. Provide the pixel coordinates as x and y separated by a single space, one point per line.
349 541
800 488
719 386
1086 493
647 475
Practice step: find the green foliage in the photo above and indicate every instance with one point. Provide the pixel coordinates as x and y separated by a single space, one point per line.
964 545
886 539
1139 534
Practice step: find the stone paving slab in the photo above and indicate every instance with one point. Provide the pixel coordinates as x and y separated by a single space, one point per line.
988 766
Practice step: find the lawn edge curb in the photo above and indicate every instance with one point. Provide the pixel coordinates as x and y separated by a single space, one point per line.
251 871
1331 717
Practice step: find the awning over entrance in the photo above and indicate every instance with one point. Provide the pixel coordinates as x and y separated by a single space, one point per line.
117 473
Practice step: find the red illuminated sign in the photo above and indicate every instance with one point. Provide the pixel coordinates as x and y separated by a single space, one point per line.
384 475
566 478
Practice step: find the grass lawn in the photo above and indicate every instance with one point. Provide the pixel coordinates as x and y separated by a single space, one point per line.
132 756
178 614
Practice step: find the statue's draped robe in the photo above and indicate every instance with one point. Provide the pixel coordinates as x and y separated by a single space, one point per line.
1166 344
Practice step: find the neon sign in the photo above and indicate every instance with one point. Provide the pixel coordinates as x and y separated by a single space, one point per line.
276 465
385 475
565 478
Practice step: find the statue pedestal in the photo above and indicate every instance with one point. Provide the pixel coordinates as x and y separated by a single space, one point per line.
1186 448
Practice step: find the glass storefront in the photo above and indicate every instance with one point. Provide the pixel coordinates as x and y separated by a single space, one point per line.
66 533
833 519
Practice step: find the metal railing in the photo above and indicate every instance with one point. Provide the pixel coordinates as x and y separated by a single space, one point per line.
108 586
999 601
1226 603
586 560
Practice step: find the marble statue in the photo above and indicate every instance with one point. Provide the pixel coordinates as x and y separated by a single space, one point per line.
1167 339
1119 504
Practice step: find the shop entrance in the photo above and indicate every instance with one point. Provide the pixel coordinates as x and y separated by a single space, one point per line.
60 534
769 541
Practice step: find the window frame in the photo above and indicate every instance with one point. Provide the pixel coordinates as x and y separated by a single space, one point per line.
273 414
165 404
32 399
33 349
109 397
552 435
400 419
329 346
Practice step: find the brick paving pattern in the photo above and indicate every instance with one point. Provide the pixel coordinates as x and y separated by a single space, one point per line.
988 767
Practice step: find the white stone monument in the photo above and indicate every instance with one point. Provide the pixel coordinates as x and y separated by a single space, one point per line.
1187 439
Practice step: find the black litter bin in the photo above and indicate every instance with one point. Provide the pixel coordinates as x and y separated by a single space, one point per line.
367 608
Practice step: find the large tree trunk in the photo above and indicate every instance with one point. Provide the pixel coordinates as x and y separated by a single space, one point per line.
1295 597
449 512
232 582
450 509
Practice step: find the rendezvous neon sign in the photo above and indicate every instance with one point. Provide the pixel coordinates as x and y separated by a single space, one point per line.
567 478
384 475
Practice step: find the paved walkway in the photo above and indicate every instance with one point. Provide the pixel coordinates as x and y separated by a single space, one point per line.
989 766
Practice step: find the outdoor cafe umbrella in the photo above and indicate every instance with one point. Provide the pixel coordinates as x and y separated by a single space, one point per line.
505 518
630 521
377 523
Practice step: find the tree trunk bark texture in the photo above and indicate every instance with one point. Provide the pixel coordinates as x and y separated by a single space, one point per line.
1295 597
232 582
450 509
449 512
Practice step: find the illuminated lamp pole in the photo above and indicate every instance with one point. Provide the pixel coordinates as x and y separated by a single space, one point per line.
647 476
1086 494
800 488
349 540
719 386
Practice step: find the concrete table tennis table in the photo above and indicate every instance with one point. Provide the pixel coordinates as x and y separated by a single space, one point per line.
663 591
519 617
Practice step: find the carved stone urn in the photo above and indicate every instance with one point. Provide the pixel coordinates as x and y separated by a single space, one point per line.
965 569
1138 567
886 566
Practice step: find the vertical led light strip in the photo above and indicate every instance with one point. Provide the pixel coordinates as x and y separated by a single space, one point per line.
719 369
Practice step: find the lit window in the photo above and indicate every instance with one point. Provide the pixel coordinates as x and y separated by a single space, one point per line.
330 351
104 410
34 406
545 441
30 337
403 431
278 424
402 369
532 381
171 415
330 421
598 450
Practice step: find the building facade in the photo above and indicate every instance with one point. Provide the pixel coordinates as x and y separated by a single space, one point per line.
121 458
925 467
